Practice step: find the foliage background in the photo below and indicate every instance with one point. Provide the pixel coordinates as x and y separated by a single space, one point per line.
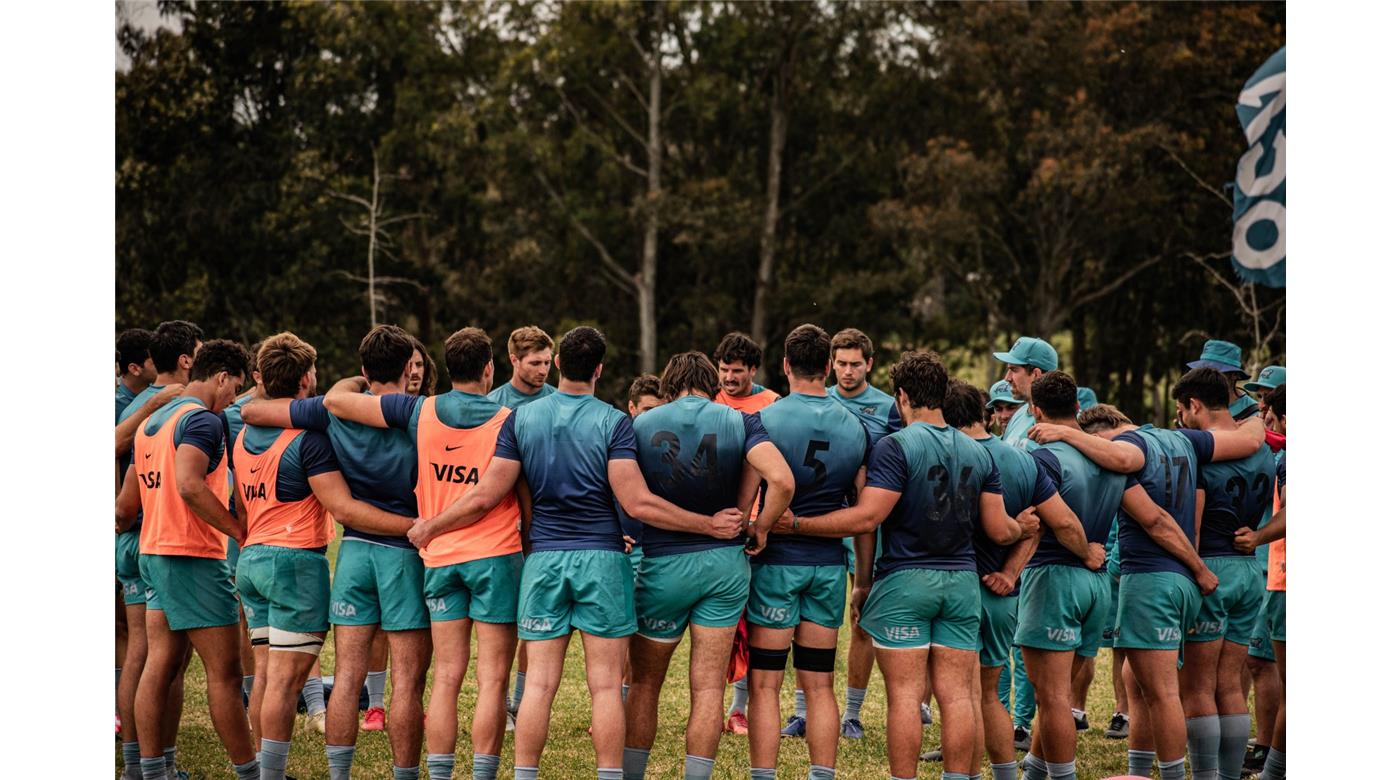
943 176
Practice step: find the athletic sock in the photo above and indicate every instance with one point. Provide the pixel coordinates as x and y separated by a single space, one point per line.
1005 771
624 693
169 755
484 766
131 758
1273 766
1203 746
698 767
741 697
273 758
762 774
1173 770
527 773
440 766
1034 768
1063 771
634 763
801 710
855 698
339 758
314 693
519 690
955 776
1140 762
611 773
247 685
406 773
892 777
248 771
153 768
375 681
1234 741
821 773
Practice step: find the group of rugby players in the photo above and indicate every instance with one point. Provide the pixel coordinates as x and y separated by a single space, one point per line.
717 506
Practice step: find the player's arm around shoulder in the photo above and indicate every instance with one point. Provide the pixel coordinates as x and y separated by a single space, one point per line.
1243 441
1123 457
347 401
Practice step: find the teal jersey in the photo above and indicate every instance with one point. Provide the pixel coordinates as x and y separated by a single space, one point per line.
124 399
1171 467
1022 485
1238 494
940 475
564 445
1018 426
380 465
875 409
506 395
691 452
825 445
1114 563
1092 493
1243 408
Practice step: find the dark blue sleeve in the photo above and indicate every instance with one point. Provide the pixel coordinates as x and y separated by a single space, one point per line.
1202 442
1043 489
505 440
317 456
310 414
887 467
992 484
623 445
1134 438
398 408
1047 468
754 432
205 430
1282 475
895 422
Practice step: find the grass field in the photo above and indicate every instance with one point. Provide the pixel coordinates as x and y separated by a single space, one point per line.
569 753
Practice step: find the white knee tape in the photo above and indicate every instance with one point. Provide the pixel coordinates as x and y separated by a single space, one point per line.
295 642
258 636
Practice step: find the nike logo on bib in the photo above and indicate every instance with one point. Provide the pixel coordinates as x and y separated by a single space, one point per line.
458 447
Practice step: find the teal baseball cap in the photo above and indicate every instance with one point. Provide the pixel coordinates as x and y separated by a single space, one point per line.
1032 352
1088 399
1270 378
1221 356
1001 393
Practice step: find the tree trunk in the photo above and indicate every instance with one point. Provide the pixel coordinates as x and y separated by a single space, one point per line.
646 285
768 243
373 233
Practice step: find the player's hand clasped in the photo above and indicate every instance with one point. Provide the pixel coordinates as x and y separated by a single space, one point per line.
726 523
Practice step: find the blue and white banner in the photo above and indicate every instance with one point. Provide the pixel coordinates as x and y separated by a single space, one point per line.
1259 255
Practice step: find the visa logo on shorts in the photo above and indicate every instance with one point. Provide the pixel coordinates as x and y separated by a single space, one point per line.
655 624
437 605
342 609
1207 627
1169 634
774 613
537 624
901 632
1062 634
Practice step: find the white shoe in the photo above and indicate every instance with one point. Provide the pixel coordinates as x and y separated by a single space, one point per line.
510 721
317 722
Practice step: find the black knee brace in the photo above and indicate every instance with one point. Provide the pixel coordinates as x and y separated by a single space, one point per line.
813 659
768 660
